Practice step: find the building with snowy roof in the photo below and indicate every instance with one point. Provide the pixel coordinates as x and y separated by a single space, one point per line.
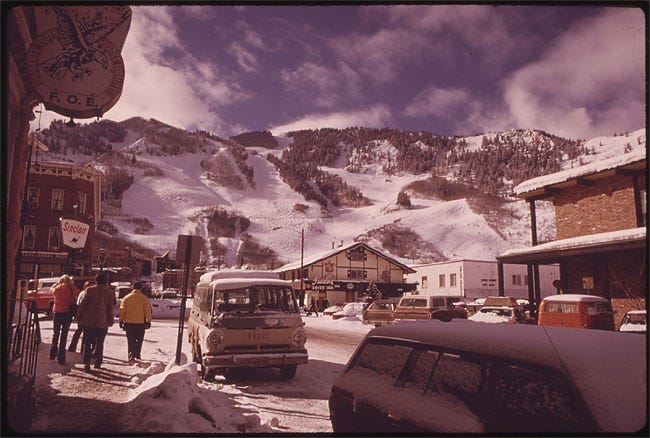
600 219
344 274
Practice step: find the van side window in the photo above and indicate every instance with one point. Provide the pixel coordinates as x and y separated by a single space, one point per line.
384 359
530 399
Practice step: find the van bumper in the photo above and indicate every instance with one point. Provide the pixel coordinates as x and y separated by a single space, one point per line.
231 360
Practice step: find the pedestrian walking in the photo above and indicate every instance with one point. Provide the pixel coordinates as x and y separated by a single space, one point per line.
135 318
95 315
77 334
312 307
65 298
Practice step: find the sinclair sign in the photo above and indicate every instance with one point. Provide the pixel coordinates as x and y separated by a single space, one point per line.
74 63
74 233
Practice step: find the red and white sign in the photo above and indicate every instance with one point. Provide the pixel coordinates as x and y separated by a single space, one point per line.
74 233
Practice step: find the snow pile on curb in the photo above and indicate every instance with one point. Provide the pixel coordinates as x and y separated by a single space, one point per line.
173 401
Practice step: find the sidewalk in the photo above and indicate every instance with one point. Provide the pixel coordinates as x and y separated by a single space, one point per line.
69 400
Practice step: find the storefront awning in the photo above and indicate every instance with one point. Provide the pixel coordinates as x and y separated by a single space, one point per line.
553 252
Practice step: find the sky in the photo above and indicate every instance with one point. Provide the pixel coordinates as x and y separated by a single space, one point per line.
575 71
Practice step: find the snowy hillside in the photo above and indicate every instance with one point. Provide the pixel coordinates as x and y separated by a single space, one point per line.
174 194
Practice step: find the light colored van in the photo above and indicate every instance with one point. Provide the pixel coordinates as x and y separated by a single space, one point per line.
575 310
245 318
415 306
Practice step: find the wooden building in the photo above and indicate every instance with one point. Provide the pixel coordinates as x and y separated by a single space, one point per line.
344 274
601 219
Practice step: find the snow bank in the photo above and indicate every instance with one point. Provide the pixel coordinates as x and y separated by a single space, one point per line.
175 401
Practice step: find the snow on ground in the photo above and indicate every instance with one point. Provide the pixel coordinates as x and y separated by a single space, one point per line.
164 397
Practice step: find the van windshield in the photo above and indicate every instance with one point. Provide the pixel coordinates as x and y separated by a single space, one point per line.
255 298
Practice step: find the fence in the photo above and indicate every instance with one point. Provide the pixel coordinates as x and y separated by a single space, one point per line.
23 339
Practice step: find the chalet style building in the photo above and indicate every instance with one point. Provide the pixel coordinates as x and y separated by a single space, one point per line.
344 274
601 219
57 191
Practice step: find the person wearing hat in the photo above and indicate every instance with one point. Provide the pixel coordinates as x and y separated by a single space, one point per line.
135 318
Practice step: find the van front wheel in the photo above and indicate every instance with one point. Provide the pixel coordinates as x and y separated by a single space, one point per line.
288 371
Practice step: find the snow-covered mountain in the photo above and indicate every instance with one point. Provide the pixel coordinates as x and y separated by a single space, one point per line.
165 181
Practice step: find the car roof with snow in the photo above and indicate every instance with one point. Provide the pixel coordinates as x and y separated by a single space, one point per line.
576 297
208 277
613 388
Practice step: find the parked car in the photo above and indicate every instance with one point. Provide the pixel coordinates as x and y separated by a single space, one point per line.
428 377
246 318
499 314
575 310
429 307
168 294
350 310
40 291
332 310
379 312
634 321
122 291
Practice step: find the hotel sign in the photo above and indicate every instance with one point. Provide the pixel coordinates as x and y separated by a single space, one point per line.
74 63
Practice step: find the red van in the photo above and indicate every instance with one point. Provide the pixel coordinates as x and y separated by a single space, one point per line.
575 310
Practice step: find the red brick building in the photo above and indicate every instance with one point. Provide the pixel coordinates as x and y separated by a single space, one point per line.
55 191
601 219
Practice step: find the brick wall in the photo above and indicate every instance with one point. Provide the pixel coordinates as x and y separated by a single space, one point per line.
608 205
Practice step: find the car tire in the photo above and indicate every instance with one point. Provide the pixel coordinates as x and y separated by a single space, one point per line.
288 371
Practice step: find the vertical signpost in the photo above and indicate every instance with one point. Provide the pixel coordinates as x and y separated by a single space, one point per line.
188 251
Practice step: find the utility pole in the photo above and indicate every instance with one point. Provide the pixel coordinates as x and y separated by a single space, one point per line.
302 268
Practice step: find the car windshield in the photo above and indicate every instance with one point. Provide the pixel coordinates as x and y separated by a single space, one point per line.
381 306
255 297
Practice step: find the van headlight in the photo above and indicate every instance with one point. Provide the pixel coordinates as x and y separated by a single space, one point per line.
215 339
299 337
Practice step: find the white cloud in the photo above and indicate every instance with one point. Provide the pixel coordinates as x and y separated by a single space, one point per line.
439 102
590 82
324 86
375 116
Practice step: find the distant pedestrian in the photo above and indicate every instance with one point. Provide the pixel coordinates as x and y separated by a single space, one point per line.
65 297
312 307
95 315
135 318
77 334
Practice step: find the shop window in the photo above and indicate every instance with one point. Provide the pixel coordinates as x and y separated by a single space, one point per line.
57 199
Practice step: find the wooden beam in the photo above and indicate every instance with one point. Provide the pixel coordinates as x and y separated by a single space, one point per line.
585 182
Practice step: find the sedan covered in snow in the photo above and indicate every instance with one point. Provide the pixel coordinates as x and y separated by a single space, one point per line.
498 314
426 377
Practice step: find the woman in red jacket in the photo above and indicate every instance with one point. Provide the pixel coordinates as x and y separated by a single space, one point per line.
65 296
